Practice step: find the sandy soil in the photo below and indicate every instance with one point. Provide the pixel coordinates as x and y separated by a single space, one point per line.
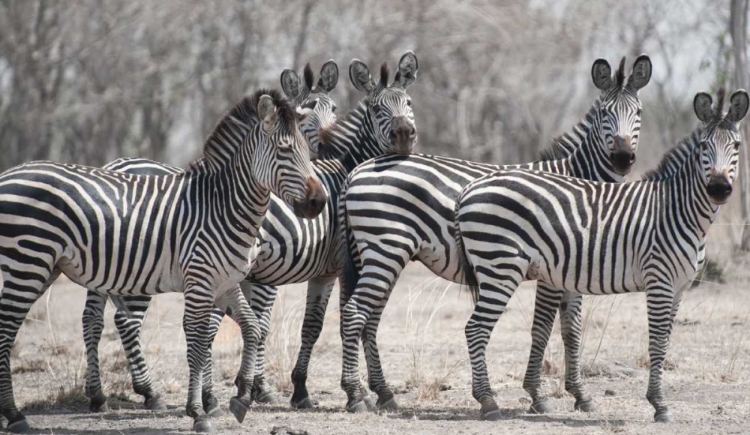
425 359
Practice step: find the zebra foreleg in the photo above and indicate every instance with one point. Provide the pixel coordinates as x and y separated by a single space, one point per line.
196 321
570 321
660 303
93 324
210 402
129 327
318 292
234 304
545 309
261 298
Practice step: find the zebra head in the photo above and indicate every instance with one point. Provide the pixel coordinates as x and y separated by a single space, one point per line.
720 140
315 97
389 107
281 159
618 118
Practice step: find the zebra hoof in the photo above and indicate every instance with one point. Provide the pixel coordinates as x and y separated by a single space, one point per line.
203 424
19 426
238 408
665 416
305 403
356 407
99 403
267 397
212 408
541 407
155 403
585 405
490 410
389 406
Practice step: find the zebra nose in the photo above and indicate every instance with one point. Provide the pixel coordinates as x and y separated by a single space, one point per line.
623 156
403 134
719 189
314 201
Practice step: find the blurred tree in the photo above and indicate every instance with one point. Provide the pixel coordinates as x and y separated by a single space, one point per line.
738 30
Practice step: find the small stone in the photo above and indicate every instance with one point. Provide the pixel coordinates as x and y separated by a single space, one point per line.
610 393
445 387
286 430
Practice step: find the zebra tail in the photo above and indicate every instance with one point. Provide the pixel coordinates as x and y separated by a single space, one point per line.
466 276
350 270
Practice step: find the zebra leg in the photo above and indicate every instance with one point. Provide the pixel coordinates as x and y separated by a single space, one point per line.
375 375
379 271
496 284
545 309
234 304
20 289
318 292
570 321
93 324
129 328
661 305
196 322
210 402
261 299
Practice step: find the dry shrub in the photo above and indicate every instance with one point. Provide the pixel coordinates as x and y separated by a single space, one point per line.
70 398
171 386
284 341
29 366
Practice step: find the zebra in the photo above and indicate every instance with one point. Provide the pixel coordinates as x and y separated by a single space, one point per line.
398 208
132 309
292 250
123 234
598 238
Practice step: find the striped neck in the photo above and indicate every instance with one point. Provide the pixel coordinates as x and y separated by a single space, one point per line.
352 140
687 197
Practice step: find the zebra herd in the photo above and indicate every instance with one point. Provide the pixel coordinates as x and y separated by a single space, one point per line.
286 192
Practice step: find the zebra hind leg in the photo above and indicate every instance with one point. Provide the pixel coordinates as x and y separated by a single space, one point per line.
20 289
318 292
375 376
196 322
497 283
129 327
545 309
93 324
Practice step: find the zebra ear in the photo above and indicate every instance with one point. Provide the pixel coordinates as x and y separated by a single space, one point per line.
601 74
702 106
329 76
407 70
290 83
359 74
641 72
267 111
738 105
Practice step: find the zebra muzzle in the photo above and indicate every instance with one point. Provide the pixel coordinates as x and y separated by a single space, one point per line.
403 135
314 201
719 190
623 155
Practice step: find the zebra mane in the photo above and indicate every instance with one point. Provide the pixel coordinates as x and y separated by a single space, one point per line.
563 146
308 75
229 133
675 157
620 74
327 150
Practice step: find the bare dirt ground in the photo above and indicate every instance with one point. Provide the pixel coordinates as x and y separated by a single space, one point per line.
425 359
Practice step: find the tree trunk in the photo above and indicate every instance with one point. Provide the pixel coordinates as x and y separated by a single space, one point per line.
738 30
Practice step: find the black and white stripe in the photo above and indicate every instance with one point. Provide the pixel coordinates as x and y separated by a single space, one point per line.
124 234
397 209
293 250
597 238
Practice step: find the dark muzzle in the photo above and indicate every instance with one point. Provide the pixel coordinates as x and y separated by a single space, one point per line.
623 156
314 201
719 189
403 135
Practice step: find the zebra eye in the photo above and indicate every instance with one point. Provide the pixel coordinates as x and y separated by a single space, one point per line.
639 112
333 108
737 145
408 103
376 109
